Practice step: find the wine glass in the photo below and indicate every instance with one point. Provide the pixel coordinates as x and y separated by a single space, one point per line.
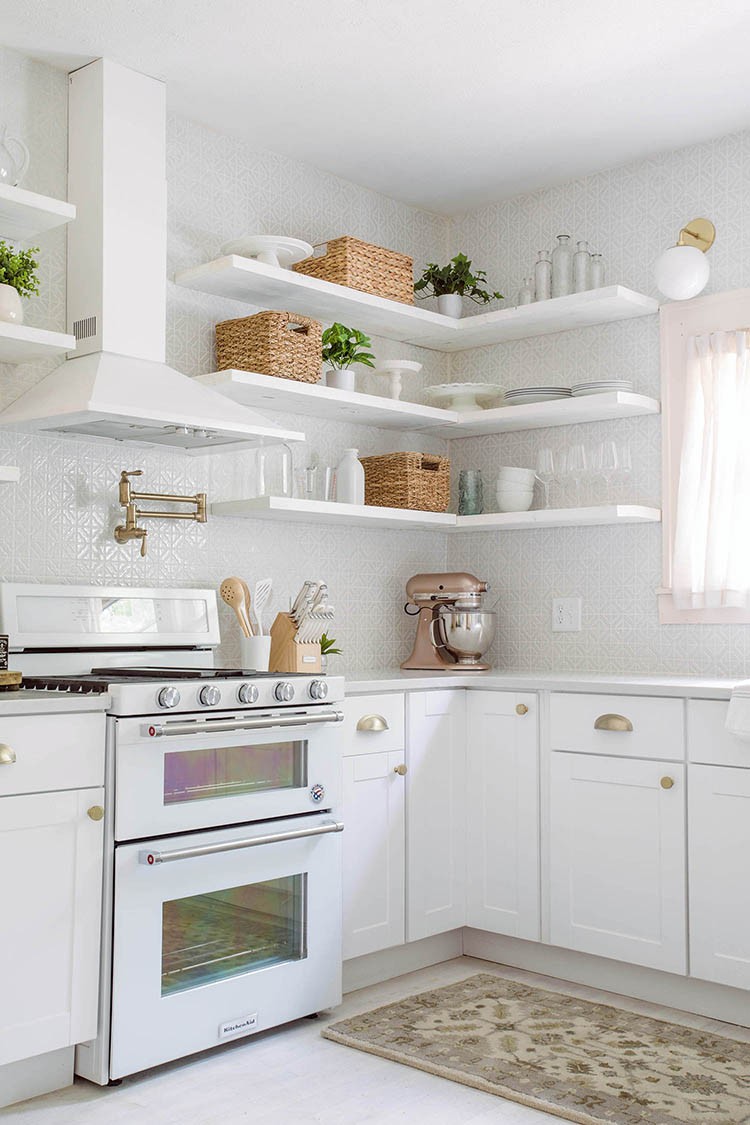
560 478
545 471
625 467
609 462
577 466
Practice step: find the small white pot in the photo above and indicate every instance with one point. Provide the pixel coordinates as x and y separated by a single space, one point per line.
342 380
450 304
11 308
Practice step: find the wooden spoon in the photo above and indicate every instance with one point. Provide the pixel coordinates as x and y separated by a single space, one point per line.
248 608
233 594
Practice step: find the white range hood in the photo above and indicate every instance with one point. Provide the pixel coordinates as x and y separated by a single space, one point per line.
116 384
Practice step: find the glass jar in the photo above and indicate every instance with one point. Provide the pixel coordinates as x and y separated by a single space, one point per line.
581 268
542 276
562 267
597 271
470 492
526 292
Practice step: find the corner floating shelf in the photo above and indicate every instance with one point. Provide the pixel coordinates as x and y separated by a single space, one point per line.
355 515
21 344
270 287
24 214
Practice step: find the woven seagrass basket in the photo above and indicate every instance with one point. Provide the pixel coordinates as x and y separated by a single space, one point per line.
420 481
360 265
272 343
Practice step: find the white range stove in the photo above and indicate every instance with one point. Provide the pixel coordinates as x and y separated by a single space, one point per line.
222 886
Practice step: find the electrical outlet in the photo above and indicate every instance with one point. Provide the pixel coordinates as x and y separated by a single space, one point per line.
566 615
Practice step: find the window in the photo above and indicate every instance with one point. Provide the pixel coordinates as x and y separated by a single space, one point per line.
705 352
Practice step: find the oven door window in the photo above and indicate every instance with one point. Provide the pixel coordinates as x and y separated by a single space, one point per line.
210 937
231 771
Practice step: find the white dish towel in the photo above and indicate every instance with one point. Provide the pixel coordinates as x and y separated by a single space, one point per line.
738 713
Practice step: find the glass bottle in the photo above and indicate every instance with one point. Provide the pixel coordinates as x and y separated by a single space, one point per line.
350 479
597 271
526 292
543 276
581 268
470 493
562 267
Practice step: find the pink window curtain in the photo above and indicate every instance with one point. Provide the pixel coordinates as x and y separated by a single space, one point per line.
711 558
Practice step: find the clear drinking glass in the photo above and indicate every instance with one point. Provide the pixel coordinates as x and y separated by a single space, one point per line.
545 471
470 493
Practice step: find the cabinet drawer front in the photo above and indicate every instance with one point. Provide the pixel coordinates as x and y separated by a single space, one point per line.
708 739
380 719
592 724
51 752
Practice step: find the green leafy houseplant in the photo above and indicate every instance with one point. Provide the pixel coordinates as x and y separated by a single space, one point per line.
327 646
456 277
344 346
18 269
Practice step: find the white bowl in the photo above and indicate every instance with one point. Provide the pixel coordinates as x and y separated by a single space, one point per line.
514 501
521 476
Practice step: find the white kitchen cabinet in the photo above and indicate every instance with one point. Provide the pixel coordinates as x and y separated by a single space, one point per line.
435 808
373 847
719 874
50 889
617 859
502 827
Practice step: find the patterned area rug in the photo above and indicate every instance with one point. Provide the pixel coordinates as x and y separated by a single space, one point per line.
584 1062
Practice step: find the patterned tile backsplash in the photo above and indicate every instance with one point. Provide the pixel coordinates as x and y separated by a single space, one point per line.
57 523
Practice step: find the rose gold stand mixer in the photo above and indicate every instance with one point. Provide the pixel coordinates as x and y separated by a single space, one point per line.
453 631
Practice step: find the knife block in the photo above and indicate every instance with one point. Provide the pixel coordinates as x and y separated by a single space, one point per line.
287 655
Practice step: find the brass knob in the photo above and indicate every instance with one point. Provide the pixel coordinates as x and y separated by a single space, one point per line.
374 723
400 770
613 722
7 755
96 812
521 709
667 782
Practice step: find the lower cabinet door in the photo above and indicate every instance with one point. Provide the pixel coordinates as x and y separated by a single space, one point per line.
50 911
435 807
374 848
719 874
617 859
502 822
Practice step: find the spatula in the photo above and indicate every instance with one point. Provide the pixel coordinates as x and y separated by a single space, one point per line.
263 588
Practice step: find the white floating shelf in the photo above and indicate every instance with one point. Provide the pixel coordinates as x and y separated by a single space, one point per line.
21 344
266 392
559 517
558 412
24 214
10 474
270 287
324 512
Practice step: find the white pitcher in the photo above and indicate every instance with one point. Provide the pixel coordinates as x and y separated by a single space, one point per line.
12 171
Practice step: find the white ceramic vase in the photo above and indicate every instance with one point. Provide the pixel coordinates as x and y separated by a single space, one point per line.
350 479
342 380
450 304
11 308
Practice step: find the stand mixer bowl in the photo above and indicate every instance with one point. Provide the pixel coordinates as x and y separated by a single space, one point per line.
466 634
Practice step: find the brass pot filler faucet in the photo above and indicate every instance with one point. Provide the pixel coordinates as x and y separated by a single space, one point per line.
124 532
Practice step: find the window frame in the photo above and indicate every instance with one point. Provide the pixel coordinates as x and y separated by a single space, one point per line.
719 312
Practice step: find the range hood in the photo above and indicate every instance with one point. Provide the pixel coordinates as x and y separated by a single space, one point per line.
117 385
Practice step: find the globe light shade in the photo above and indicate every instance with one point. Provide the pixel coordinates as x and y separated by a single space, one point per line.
681 272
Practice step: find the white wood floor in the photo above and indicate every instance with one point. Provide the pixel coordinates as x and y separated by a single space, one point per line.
292 1076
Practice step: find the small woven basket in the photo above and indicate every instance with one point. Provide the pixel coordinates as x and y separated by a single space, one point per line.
360 265
272 343
419 481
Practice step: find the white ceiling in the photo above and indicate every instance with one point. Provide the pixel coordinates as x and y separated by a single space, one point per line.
446 104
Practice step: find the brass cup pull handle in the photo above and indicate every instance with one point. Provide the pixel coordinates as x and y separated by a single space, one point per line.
667 782
613 722
521 709
400 770
96 812
7 755
373 723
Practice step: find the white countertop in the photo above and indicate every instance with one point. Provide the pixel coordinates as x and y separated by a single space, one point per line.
49 703
394 679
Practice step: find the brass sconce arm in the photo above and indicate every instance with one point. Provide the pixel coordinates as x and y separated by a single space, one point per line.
128 497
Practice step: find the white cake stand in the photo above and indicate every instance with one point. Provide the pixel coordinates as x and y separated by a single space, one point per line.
463 397
271 249
394 369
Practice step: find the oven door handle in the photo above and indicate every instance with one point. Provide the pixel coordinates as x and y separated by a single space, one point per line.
156 730
151 858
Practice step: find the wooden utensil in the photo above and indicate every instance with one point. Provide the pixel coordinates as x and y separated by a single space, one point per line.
247 606
232 593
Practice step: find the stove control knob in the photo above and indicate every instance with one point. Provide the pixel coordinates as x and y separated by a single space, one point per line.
318 689
247 693
284 692
168 697
209 695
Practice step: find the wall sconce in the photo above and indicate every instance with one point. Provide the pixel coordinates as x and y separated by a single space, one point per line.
682 271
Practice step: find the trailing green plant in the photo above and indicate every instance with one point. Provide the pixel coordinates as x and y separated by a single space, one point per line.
327 646
18 268
456 277
344 346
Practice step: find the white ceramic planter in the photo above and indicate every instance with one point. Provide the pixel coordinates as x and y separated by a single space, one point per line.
450 304
342 380
11 308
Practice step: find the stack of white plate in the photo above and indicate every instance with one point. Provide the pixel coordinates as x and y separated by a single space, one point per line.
601 386
535 394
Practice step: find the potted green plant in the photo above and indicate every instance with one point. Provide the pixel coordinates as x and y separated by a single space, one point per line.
17 279
343 347
453 282
327 648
